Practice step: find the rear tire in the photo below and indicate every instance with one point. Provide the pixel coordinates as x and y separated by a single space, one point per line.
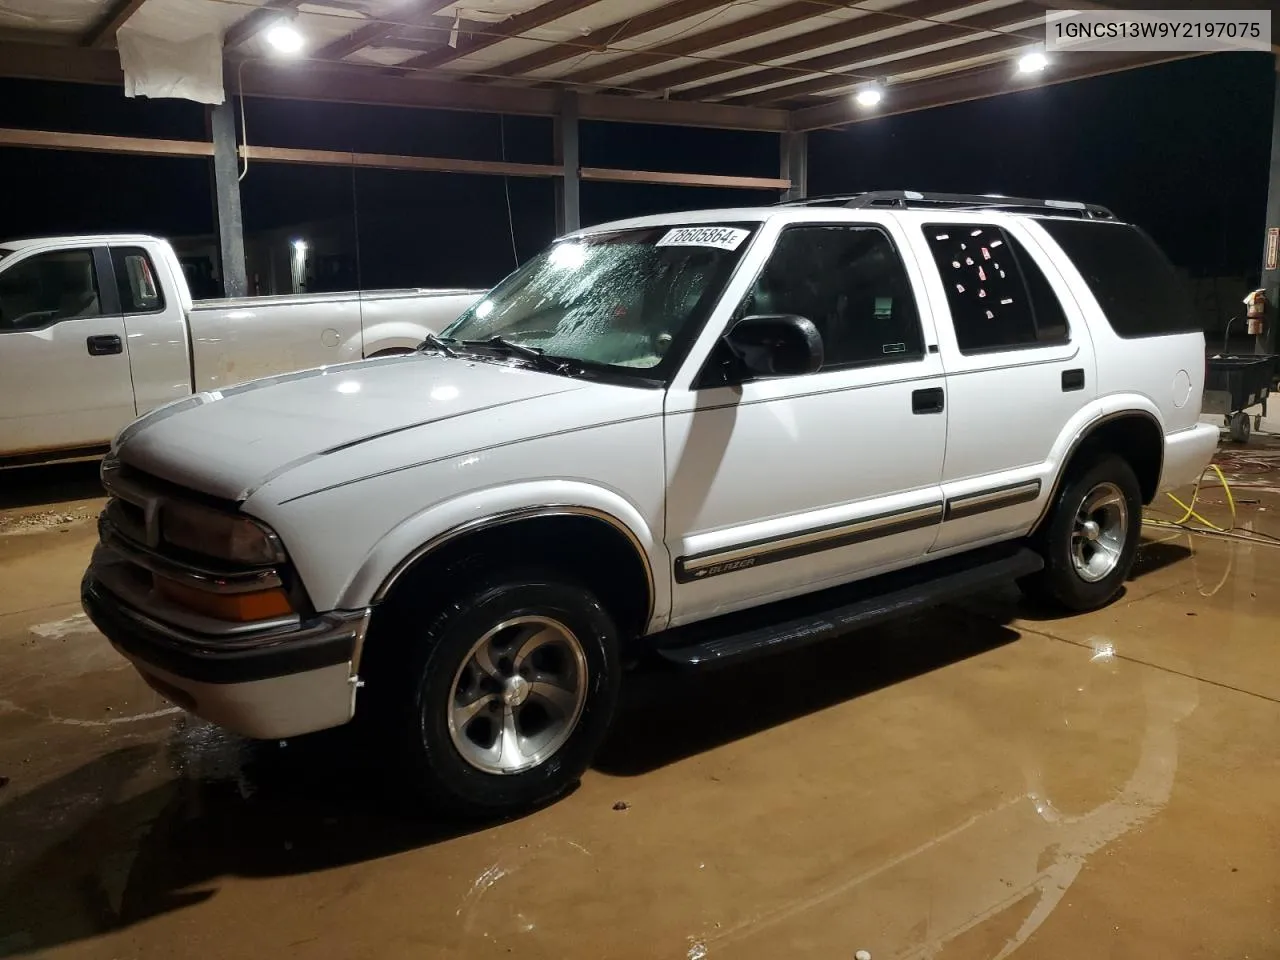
1089 539
506 696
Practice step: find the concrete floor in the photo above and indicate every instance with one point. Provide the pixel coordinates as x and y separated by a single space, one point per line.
971 783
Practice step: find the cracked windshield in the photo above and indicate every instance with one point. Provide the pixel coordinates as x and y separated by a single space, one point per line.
618 299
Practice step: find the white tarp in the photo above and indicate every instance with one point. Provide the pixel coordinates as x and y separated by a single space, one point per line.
187 69
173 48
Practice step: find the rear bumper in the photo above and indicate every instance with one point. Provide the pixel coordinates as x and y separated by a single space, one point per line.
269 686
1186 454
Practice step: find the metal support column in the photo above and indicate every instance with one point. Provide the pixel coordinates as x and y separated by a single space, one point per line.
794 165
229 221
568 187
1266 342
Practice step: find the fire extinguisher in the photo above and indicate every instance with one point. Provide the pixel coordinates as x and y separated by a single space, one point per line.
1255 311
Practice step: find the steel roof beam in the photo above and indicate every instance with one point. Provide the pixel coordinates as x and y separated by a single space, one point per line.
824 36
346 83
800 73
616 32
772 19
420 12
103 32
990 46
976 84
514 26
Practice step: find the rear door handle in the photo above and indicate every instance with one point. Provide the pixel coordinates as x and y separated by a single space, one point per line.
1072 380
930 400
104 345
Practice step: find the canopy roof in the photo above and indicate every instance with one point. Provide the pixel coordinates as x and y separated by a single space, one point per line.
773 65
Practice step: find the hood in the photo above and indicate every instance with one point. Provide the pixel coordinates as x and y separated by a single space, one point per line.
227 443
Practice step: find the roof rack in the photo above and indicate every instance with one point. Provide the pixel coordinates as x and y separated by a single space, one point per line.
915 200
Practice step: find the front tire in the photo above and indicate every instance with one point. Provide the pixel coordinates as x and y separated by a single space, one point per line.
510 691
1090 538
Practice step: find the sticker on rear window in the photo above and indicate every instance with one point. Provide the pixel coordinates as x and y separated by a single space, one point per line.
722 238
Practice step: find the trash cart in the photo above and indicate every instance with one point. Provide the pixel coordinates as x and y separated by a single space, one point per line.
1233 384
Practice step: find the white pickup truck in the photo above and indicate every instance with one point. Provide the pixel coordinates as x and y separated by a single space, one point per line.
97 330
706 436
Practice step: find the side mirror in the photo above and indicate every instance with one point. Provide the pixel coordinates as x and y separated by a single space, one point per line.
776 345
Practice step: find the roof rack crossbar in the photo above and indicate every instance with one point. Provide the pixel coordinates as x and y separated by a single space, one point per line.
916 200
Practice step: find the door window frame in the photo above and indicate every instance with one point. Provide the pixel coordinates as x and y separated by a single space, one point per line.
126 250
702 352
738 311
108 299
957 361
1016 251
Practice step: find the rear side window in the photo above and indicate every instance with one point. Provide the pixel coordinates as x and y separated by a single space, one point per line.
136 280
999 298
1132 280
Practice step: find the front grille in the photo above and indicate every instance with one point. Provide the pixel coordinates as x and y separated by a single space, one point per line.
128 518
115 470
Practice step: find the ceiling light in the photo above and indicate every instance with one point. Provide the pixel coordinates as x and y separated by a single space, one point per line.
1032 62
284 36
868 96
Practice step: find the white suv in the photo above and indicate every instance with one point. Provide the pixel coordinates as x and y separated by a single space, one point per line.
876 402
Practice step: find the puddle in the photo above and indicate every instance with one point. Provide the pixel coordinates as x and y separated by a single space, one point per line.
1023 851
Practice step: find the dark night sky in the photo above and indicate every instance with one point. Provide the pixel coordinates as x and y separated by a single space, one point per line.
1181 149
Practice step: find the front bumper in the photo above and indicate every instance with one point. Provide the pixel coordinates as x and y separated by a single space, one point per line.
270 685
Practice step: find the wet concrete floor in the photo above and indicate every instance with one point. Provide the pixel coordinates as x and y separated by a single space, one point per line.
975 782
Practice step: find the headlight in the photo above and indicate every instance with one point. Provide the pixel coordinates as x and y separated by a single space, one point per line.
225 536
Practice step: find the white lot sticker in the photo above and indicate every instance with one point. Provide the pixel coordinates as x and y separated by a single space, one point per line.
723 238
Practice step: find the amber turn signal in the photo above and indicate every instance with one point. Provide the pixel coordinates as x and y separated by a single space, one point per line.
235 607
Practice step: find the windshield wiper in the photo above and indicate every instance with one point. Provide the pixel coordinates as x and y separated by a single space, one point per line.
440 344
534 355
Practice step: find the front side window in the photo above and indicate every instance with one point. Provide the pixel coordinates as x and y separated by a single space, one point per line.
625 299
850 282
48 287
999 297
136 280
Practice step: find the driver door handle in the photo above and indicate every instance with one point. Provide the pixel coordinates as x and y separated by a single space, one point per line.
930 400
104 345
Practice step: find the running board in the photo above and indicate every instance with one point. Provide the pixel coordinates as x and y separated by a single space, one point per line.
829 613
